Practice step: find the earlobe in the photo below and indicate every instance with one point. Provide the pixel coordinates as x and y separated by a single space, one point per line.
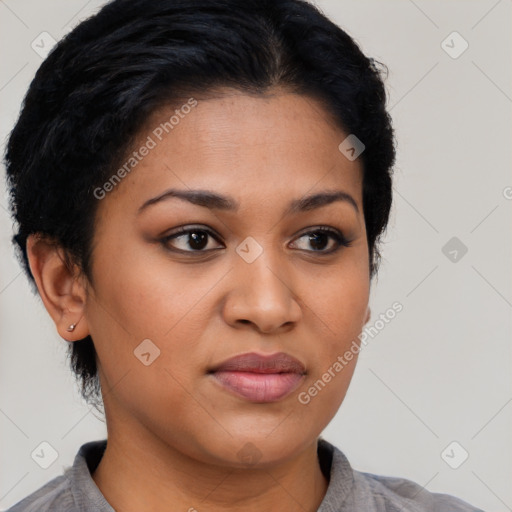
62 292
368 315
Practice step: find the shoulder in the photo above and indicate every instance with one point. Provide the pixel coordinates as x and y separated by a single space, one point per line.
54 495
350 489
74 490
393 493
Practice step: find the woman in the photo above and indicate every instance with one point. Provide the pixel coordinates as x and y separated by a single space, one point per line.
199 188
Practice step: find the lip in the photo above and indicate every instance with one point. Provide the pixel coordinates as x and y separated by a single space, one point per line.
260 378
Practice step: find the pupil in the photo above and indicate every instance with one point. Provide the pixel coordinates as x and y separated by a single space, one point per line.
314 240
198 241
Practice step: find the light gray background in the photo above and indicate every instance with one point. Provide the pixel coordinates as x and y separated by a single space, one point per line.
441 370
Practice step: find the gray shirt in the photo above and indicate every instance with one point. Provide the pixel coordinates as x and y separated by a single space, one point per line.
348 491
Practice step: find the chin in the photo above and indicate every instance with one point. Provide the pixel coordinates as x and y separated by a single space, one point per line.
259 450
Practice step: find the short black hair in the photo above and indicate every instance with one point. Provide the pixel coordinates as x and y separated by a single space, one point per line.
97 87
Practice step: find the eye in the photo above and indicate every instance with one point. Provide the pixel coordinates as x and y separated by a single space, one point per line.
196 240
192 239
319 239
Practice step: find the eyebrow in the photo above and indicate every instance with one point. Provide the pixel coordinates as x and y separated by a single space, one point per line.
212 200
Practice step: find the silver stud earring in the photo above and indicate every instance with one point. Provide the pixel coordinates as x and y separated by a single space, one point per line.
71 328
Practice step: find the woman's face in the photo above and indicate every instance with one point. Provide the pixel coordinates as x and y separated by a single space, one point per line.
257 277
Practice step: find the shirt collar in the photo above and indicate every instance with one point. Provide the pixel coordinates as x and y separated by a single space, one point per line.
340 475
87 495
85 492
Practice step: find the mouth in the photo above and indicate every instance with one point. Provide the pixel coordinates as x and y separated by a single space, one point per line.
260 378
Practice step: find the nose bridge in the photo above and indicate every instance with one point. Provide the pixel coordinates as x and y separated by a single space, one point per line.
263 293
259 264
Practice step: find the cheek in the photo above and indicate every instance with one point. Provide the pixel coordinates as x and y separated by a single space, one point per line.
338 301
339 319
140 299
148 295
337 315
147 335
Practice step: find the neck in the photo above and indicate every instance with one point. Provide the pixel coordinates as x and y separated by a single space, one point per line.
151 475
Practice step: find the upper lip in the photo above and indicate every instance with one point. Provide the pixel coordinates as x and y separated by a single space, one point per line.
259 363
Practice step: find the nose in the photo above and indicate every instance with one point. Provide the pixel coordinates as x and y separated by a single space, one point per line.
262 295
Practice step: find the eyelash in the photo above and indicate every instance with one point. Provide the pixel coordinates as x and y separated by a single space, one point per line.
334 234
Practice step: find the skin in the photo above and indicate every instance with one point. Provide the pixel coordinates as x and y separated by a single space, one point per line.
173 433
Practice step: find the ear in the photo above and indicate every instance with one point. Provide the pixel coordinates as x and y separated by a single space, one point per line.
368 315
61 289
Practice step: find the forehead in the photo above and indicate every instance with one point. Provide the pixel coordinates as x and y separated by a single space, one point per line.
257 149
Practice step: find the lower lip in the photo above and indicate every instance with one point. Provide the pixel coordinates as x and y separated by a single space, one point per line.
259 387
